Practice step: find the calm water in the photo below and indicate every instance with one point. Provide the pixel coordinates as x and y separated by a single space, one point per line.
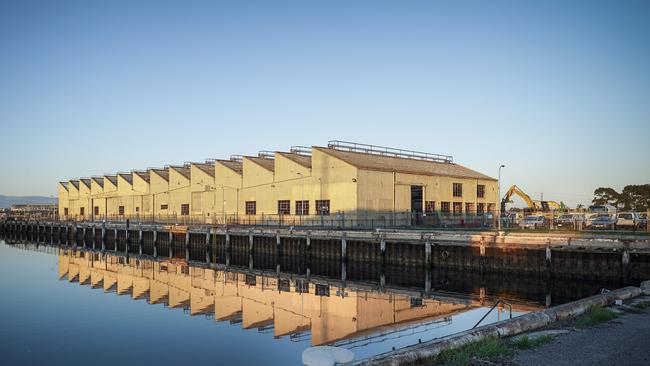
67 307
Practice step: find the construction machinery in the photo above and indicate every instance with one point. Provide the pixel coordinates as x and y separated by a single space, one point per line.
533 205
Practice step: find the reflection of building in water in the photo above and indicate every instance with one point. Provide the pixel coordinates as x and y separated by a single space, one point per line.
287 306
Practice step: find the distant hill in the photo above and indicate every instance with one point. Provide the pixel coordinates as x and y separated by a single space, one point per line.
7 201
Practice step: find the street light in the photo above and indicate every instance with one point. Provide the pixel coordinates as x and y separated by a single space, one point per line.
499 198
302 196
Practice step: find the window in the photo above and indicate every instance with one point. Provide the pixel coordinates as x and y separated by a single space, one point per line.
250 280
81 211
469 208
302 286
96 210
65 211
302 208
322 290
444 207
164 207
323 207
480 191
458 208
490 208
284 285
284 207
458 190
137 209
251 207
480 208
120 210
185 209
430 206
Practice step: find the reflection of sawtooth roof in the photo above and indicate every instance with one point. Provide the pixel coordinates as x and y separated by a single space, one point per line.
299 159
207 168
183 170
403 165
162 173
99 180
127 177
112 179
85 181
143 175
235 166
268 164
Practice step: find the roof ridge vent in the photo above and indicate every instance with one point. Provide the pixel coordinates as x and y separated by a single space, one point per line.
266 154
388 151
300 150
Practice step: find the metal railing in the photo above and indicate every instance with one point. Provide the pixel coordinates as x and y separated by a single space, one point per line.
388 151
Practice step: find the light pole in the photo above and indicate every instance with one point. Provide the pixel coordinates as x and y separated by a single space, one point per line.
302 196
499 198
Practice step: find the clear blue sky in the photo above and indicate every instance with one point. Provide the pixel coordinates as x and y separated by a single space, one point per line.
559 92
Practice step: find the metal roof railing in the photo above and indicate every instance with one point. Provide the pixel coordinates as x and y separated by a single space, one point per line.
300 150
388 151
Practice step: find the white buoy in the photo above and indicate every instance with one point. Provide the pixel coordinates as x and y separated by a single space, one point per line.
326 356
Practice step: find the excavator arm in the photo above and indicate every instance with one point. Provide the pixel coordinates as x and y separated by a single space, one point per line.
516 190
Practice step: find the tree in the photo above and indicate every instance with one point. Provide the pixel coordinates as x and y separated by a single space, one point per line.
605 196
632 197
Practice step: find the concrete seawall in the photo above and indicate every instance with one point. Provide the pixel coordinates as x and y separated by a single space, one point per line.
505 328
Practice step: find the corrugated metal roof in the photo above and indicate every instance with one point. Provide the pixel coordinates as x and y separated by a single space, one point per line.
162 173
299 159
143 174
267 164
183 170
86 182
112 179
75 183
99 180
127 177
403 165
207 168
235 166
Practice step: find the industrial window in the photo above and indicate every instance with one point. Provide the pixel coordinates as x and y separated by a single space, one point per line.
458 190
251 280
137 209
284 207
96 210
251 207
164 207
81 211
302 208
185 209
469 208
65 211
302 286
284 285
323 207
480 190
120 210
458 208
444 207
480 208
430 206
490 208
322 290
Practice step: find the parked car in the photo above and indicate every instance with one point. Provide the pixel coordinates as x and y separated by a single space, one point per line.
570 220
643 220
590 218
509 219
627 220
533 222
604 222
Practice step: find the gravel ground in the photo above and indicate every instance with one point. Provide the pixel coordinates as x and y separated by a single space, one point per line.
622 341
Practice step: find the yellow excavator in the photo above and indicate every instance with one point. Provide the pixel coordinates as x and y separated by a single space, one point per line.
533 205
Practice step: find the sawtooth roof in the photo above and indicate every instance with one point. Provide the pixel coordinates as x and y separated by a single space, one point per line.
235 166
403 165
162 173
298 159
112 179
127 177
143 174
86 182
183 170
99 180
268 164
204 167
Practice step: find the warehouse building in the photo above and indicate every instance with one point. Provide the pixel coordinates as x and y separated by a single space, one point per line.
362 184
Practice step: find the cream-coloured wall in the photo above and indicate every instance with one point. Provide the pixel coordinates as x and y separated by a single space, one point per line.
63 200
227 186
255 174
179 192
141 195
158 188
202 186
